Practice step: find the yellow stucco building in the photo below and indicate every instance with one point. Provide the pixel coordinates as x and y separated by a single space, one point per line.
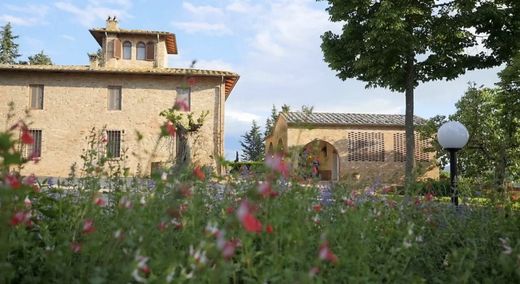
124 93
368 147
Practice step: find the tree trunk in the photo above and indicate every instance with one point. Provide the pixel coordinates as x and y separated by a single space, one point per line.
409 126
183 149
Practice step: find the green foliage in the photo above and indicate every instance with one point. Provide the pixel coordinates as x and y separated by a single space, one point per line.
399 44
180 228
40 59
271 121
253 144
8 48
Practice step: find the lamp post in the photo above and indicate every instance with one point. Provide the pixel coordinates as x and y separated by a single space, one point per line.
452 136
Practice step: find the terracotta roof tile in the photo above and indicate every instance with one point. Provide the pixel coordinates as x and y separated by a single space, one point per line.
230 78
345 119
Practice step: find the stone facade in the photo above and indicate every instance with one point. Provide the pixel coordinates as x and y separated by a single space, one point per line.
330 146
76 100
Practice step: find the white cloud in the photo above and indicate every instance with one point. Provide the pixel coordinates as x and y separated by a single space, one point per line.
68 37
94 11
241 7
241 116
202 10
26 15
205 27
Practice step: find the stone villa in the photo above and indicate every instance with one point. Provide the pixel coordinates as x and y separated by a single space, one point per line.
123 93
347 145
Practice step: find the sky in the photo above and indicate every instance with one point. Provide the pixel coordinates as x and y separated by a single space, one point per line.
274 45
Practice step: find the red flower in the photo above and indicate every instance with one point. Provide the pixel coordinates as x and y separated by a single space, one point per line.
75 247
13 181
170 128
162 226
20 217
326 254
316 207
26 137
249 222
349 202
428 196
199 173
269 229
88 226
230 210
100 201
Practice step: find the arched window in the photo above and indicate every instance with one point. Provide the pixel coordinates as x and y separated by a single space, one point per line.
127 50
141 51
150 51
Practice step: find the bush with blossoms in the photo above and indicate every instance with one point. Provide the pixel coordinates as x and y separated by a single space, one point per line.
188 225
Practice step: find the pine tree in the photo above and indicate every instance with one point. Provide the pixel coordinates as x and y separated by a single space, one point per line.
270 121
252 145
8 48
40 59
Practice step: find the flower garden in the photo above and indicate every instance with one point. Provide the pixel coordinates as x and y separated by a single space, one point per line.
190 226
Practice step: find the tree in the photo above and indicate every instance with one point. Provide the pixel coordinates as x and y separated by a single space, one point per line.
271 121
253 144
399 44
40 59
8 48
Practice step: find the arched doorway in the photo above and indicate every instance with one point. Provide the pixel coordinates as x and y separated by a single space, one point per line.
319 159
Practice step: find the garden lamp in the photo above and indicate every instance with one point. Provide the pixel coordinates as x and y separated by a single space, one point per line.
452 136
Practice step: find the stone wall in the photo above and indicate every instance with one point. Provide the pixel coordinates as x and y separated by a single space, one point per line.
74 103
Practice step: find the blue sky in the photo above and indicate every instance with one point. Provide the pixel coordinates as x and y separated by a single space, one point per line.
274 45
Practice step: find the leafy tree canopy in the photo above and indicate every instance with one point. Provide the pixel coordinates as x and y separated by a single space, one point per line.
252 144
8 47
40 59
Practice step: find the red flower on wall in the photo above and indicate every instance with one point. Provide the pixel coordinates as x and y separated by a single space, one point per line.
26 137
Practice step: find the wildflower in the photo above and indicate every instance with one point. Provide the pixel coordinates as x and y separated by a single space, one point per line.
230 210
349 202
428 197
314 271
31 180
212 229
164 176
266 190
13 181
228 250
316 219
199 173
88 226
142 201
170 128
100 201
326 254
27 202
199 256
142 268
181 105
269 229
75 247
20 217
249 222
277 164
317 208
124 202
162 226
26 137
119 235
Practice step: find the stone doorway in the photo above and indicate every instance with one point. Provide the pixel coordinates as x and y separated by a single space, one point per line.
319 159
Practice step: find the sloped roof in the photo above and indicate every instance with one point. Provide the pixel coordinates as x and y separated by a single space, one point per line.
230 78
346 119
171 43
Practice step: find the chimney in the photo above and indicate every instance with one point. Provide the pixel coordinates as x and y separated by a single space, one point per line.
112 24
93 58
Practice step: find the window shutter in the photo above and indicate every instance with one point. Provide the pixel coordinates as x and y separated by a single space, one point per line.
34 97
117 48
150 50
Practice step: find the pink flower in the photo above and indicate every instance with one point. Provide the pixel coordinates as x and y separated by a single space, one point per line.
349 202
75 247
266 190
162 226
181 105
26 137
228 250
27 202
314 271
248 220
326 254
428 197
88 226
277 164
21 217
13 181
100 201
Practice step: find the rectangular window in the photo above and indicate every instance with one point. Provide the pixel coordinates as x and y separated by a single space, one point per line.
183 100
113 143
366 147
36 96
34 150
114 98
